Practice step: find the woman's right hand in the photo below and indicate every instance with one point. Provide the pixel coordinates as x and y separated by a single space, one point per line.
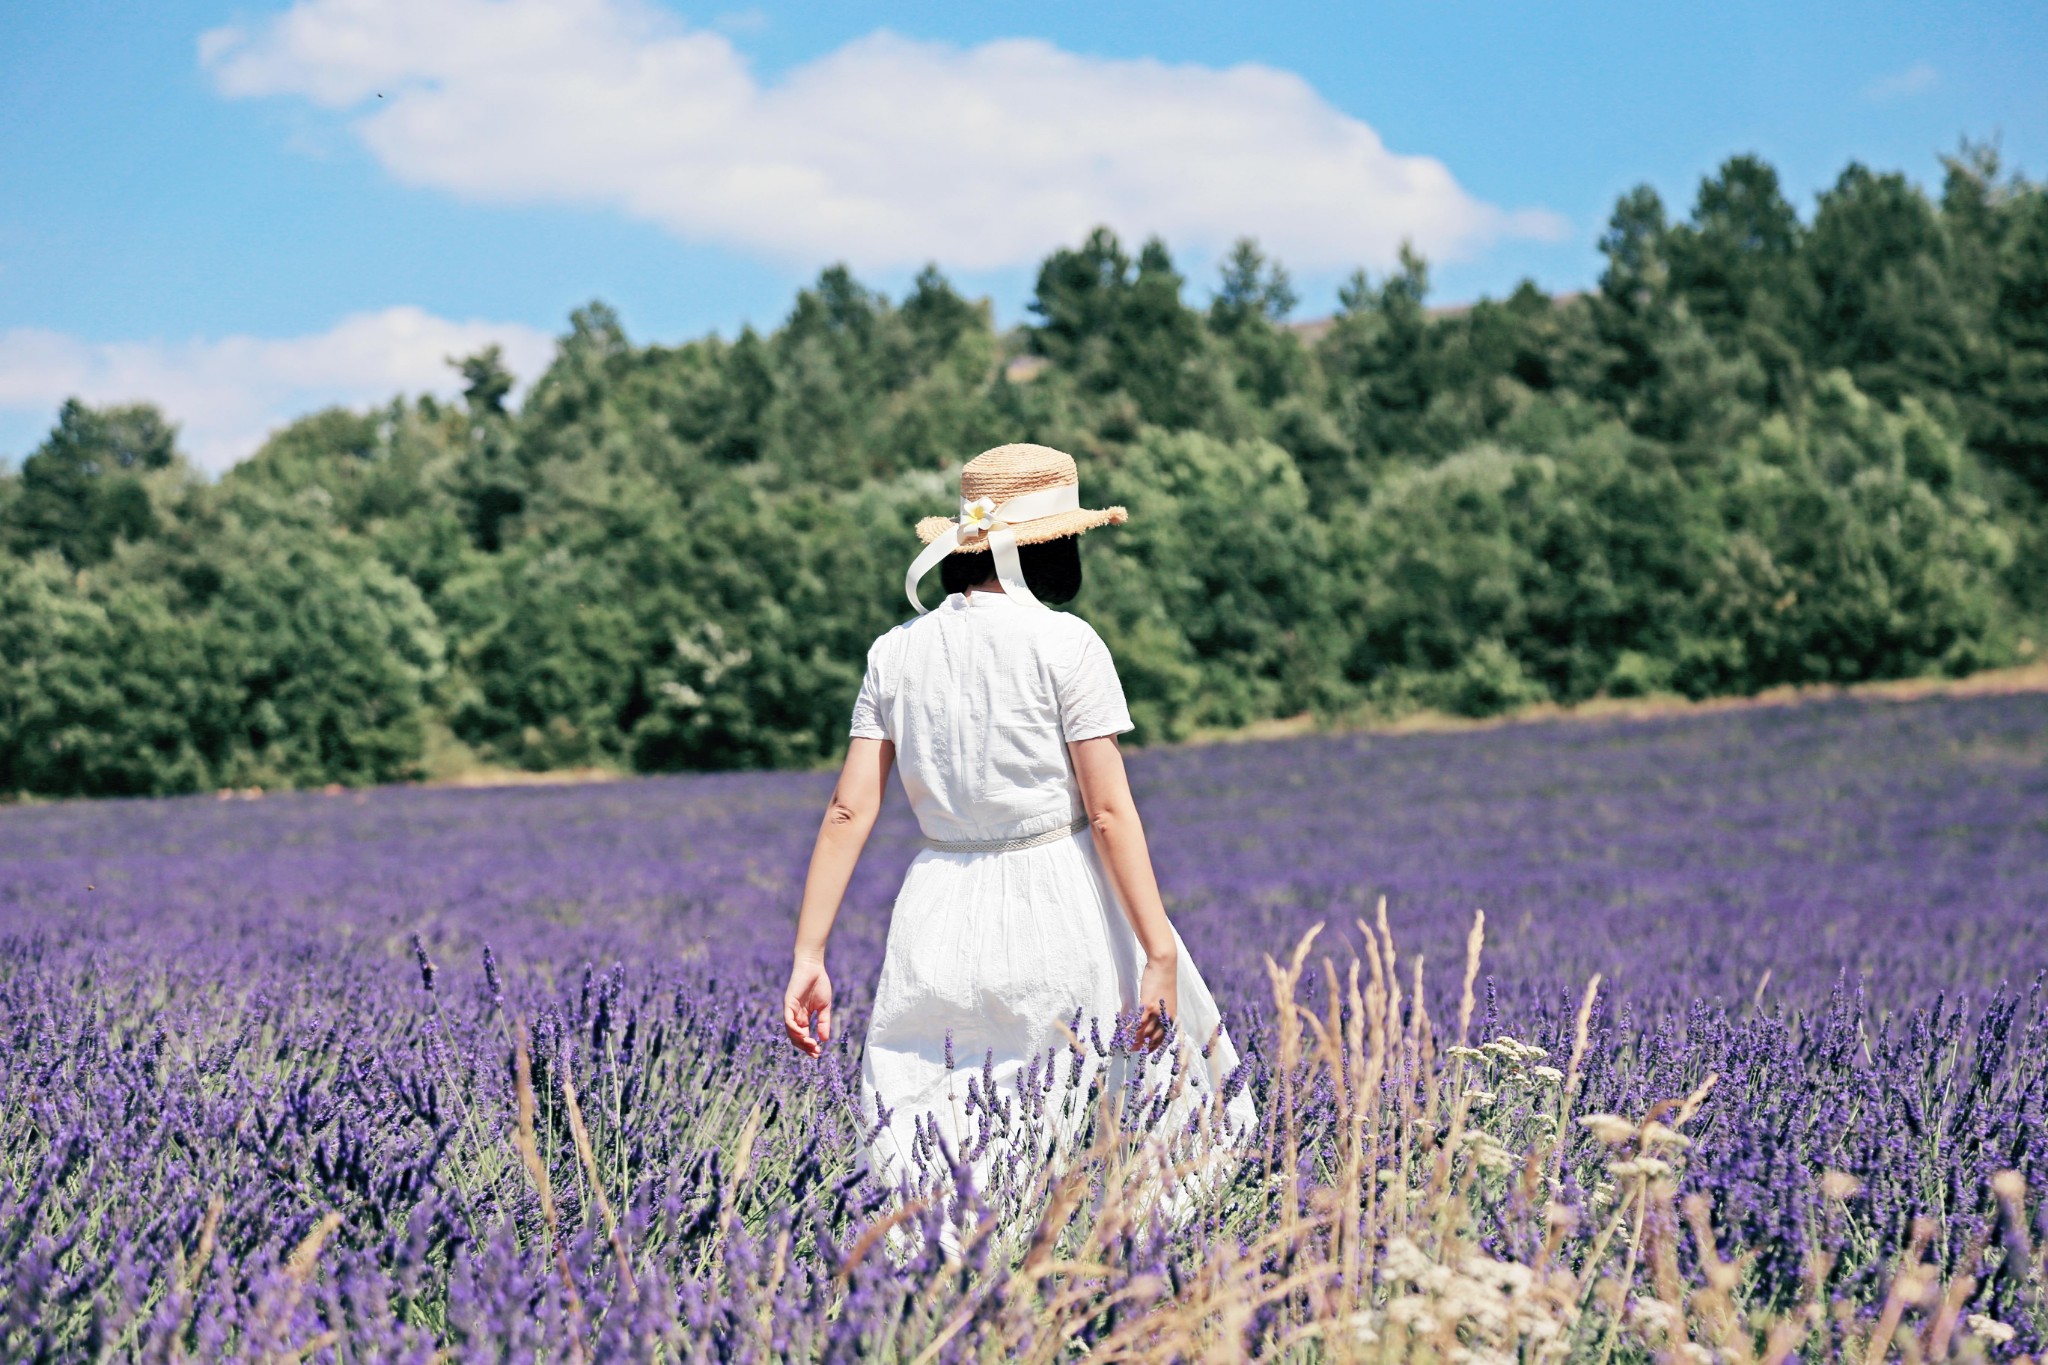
807 1007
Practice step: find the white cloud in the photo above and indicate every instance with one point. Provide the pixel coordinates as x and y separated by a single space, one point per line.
1917 79
228 394
742 21
886 152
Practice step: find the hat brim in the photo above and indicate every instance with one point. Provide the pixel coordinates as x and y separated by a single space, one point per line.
1032 532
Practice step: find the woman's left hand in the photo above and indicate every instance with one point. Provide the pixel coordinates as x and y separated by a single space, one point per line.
807 1007
1158 997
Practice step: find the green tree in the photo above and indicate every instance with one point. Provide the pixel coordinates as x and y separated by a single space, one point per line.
1225 547
2017 432
590 363
84 488
1247 314
1737 264
1654 363
1377 362
1855 551
1119 327
1436 571
485 381
1632 309
940 320
105 690
335 657
1885 309
1253 290
676 556
406 478
550 643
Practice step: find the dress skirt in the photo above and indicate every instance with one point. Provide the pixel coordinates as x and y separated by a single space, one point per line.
994 1021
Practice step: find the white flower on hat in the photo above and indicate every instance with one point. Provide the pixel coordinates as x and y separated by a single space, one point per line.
978 515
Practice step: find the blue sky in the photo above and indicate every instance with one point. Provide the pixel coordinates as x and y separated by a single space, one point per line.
245 211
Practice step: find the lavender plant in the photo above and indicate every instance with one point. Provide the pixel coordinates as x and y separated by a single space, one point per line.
418 1075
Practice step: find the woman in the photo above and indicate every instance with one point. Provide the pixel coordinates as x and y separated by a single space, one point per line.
1031 924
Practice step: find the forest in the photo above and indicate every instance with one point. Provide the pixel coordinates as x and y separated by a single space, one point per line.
1765 448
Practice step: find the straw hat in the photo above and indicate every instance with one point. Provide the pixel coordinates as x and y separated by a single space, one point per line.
1012 471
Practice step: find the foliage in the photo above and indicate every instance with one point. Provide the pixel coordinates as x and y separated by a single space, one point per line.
107 690
1215 580
85 487
267 651
1766 449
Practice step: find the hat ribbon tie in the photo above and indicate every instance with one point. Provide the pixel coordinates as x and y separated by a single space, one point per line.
997 521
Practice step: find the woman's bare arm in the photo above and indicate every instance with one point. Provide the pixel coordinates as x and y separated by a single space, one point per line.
849 818
1120 839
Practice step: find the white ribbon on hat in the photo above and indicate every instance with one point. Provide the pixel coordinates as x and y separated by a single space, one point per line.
999 522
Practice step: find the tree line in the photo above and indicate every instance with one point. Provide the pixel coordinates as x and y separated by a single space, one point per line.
1765 449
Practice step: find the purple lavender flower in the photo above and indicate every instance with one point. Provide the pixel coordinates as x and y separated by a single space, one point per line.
1834 907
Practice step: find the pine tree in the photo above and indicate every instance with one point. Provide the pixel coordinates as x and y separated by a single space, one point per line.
2019 391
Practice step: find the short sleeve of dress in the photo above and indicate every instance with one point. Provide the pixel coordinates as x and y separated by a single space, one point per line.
867 707
1091 696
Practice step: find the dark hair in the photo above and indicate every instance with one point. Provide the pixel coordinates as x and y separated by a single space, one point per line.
1052 569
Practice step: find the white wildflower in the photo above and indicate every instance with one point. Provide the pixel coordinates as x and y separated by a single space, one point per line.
1491 1156
1517 1049
1839 1185
1914 1286
1609 1128
1655 1315
1412 1311
1989 1328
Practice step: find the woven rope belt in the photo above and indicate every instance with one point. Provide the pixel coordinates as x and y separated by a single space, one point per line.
1051 836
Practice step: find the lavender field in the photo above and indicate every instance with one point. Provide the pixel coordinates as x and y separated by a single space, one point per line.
262 1091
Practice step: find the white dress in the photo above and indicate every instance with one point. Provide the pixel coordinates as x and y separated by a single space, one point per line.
993 956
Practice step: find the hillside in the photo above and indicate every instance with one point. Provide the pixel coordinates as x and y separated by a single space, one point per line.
1768 450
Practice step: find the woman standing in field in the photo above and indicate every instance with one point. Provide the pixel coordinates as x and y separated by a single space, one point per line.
1028 949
